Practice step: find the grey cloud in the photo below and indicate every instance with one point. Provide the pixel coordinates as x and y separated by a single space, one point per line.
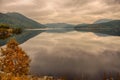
69 11
1 3
75 3
113 2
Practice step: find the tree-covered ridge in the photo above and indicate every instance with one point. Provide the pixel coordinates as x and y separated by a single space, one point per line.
19 20
7 31
110 28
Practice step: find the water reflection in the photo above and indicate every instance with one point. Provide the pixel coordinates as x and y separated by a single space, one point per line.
73 53
24 36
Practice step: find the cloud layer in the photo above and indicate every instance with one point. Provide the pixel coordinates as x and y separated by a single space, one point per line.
73 53
69 11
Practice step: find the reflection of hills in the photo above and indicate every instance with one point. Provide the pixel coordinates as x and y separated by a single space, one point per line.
110 28
26 35
73 53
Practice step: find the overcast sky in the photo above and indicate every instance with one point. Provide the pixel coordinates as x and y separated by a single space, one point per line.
68 11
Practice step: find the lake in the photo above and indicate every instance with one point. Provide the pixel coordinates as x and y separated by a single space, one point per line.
73 53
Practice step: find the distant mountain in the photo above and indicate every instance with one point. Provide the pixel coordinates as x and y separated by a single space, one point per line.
102 21
110 28
83 24
19 20
60 27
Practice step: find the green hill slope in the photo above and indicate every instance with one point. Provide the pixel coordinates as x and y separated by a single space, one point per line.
110 28
19 20
16 20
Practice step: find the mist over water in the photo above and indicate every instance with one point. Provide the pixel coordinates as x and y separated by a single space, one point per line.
73 53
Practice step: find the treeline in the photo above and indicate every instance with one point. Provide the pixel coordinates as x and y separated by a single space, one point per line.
110 28
7 31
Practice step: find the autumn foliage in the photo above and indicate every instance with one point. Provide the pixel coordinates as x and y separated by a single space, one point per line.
14 60
15 63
